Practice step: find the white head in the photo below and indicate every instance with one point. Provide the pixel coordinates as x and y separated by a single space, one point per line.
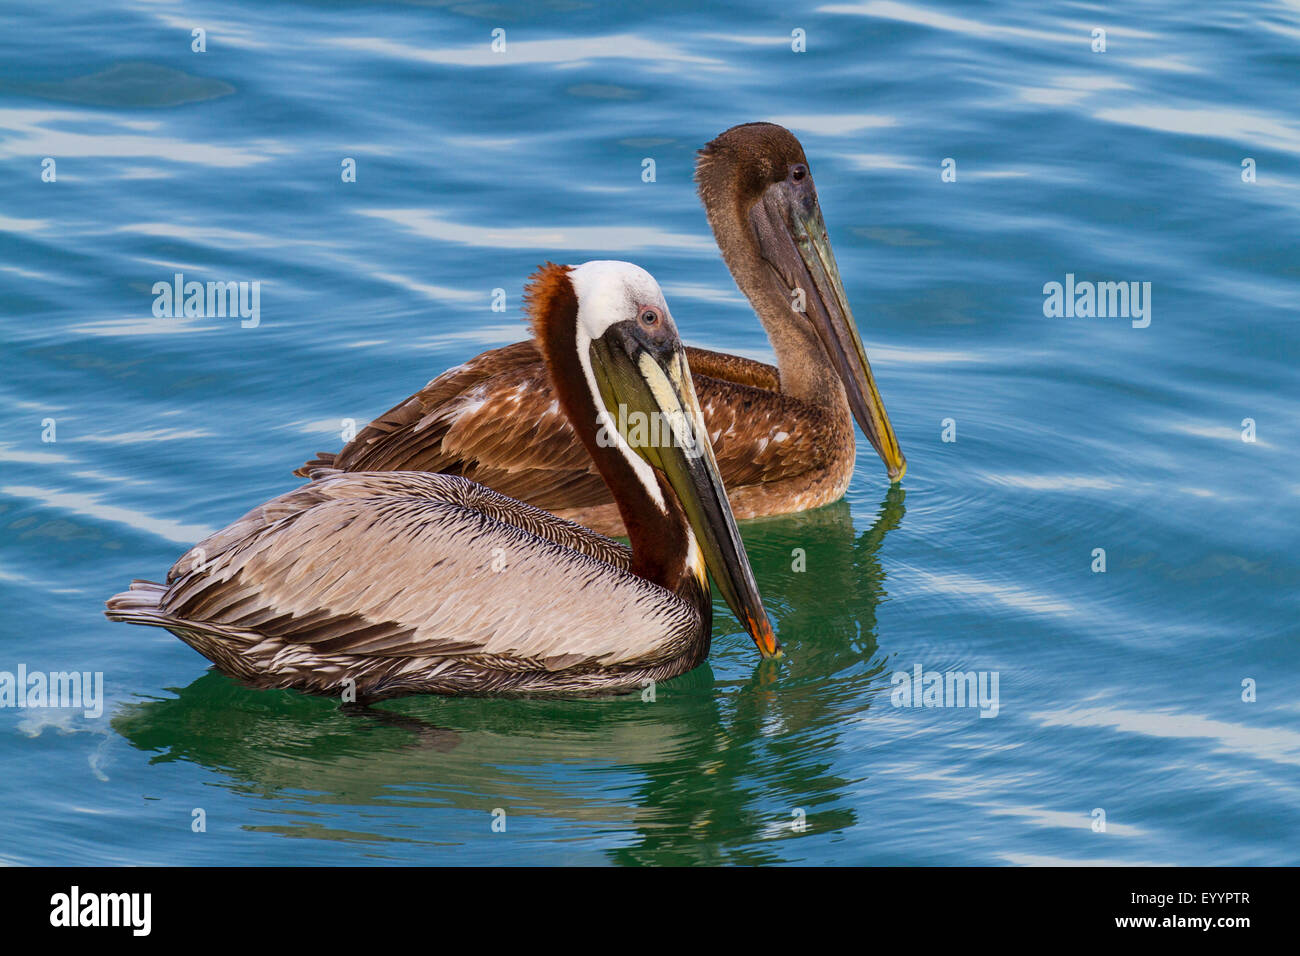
610 291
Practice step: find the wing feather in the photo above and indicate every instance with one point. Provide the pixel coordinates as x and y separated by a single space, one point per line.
425 566
495 420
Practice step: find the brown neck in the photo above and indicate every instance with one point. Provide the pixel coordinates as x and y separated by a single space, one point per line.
660 539
805 368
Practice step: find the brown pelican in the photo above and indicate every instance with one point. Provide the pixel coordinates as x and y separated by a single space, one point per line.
783 436
392 583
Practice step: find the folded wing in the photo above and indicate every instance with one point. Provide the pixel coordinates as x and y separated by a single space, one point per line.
495 420
420 566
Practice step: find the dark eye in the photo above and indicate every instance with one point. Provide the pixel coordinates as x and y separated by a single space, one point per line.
798 172
650 318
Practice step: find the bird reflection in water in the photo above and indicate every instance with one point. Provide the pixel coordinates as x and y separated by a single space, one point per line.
712 771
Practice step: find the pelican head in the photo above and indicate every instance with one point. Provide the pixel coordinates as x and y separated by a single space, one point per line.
641 420
758 192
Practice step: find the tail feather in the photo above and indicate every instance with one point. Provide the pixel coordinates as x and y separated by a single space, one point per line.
323 459
140 605
224 646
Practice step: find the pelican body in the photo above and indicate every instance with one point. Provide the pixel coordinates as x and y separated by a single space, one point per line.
783 436
397 582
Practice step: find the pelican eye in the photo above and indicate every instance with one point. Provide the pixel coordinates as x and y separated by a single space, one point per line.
649 318
798 172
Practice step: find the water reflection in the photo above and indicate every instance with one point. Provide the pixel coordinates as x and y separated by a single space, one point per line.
714 770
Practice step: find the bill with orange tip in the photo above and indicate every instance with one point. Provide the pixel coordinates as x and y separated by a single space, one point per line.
641 366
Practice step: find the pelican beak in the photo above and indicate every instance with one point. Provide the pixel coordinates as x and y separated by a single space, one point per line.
792 237
645 374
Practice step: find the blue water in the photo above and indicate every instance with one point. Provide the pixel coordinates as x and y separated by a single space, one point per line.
1119 691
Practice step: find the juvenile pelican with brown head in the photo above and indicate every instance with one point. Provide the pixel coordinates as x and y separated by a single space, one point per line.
783 436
